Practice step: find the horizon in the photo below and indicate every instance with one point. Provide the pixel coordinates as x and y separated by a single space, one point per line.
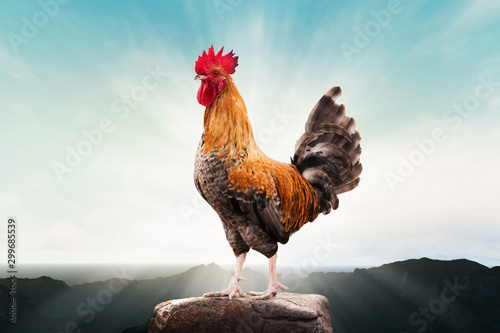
76 274
100 125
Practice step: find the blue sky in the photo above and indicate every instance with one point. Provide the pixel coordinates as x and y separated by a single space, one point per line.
113 82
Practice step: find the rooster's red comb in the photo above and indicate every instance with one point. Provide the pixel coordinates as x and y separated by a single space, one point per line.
205 61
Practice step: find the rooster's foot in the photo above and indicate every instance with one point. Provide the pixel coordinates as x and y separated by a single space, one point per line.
271 291
273 285
236 291
233 289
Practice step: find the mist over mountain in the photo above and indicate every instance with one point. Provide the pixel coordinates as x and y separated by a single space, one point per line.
421 295
412 296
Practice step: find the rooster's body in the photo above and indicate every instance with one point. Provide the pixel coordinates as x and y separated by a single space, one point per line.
262 201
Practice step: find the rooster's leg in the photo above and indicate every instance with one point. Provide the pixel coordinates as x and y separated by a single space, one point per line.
272 287
233 287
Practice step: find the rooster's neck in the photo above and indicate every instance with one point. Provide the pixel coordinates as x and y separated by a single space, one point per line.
226 124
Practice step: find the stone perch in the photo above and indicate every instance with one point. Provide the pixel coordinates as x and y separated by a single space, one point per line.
287 312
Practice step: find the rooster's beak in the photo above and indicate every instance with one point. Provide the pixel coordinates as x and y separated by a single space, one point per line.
200 77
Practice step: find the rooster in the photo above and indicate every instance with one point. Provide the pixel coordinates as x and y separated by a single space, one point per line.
260 201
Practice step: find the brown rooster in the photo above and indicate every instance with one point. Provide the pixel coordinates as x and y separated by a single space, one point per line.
261 201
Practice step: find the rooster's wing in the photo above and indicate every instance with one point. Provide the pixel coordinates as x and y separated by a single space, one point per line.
273 195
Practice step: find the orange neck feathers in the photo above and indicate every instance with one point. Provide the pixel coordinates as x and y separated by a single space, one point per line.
226 123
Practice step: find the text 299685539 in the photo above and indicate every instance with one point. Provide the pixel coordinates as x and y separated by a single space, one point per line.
12 270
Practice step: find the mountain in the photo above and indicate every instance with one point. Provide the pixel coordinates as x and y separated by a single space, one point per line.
409 296
49 305
412 296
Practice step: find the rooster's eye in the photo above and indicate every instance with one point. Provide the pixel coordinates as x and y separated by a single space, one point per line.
216 73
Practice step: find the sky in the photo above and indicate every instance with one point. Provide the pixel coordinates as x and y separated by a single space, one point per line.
99 125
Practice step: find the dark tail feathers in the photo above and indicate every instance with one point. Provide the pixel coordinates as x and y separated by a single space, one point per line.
327 154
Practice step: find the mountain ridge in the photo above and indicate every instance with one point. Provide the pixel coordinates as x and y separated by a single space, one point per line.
394 292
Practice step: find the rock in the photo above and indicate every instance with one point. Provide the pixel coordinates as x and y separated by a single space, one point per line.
287 312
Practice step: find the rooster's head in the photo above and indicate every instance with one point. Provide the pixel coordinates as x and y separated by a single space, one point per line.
213 70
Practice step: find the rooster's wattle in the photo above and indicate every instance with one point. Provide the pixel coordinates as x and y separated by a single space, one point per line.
261 201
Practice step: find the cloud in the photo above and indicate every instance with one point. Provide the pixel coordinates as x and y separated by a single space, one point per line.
13 66
476 13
